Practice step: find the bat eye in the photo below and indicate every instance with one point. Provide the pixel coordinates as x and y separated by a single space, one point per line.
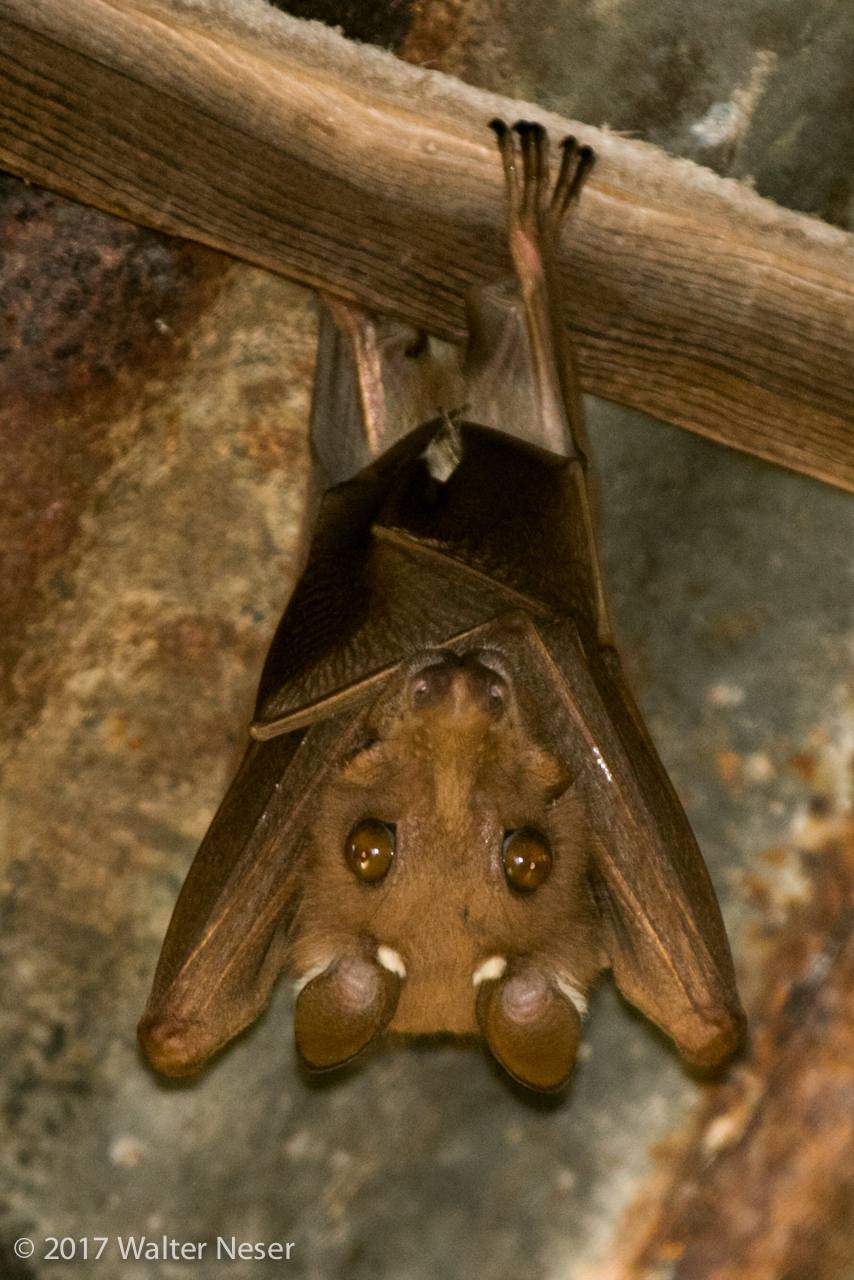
527 859
495 695
369 850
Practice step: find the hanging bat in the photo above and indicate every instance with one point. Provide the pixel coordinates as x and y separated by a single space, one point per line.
451 817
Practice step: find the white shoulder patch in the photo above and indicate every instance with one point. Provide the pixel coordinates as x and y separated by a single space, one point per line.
314 972
572 994
389 959
489 970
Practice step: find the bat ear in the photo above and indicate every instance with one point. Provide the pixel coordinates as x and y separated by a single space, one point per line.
531 1028
340 1011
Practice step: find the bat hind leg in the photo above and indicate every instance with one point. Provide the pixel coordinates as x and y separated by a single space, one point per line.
536 217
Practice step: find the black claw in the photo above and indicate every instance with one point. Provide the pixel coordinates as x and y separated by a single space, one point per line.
533 141
529 129
531 200
575 166
586 161
566 177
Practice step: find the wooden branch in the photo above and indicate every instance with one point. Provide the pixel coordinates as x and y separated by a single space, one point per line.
343 168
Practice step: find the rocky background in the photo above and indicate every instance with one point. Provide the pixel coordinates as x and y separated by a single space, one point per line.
153 457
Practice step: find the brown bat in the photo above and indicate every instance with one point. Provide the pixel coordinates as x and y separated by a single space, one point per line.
451 817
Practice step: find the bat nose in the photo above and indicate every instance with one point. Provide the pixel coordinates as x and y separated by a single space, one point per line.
459 688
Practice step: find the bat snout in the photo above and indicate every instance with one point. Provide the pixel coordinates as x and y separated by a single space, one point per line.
459 688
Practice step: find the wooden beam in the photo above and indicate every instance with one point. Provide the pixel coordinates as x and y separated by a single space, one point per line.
343 168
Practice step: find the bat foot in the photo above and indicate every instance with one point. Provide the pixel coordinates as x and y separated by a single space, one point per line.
538 211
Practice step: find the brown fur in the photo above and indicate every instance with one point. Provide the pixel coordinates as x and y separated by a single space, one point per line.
452 778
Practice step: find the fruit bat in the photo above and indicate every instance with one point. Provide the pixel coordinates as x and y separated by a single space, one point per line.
450 817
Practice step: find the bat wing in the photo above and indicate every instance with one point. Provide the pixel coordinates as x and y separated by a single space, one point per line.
376 591
225 945
663 931
443 562
402 562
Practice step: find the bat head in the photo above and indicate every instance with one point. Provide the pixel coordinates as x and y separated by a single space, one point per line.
448 883
464 855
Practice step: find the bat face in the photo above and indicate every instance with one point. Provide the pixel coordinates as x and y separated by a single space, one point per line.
479 843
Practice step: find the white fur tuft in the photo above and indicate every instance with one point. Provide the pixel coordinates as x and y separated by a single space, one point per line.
390 960
489 970
314 972
572 994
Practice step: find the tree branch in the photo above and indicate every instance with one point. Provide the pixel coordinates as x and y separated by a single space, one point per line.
339 166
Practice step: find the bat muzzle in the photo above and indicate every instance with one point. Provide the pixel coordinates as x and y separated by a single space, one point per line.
457 686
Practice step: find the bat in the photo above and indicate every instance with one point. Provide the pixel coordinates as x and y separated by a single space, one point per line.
450 817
